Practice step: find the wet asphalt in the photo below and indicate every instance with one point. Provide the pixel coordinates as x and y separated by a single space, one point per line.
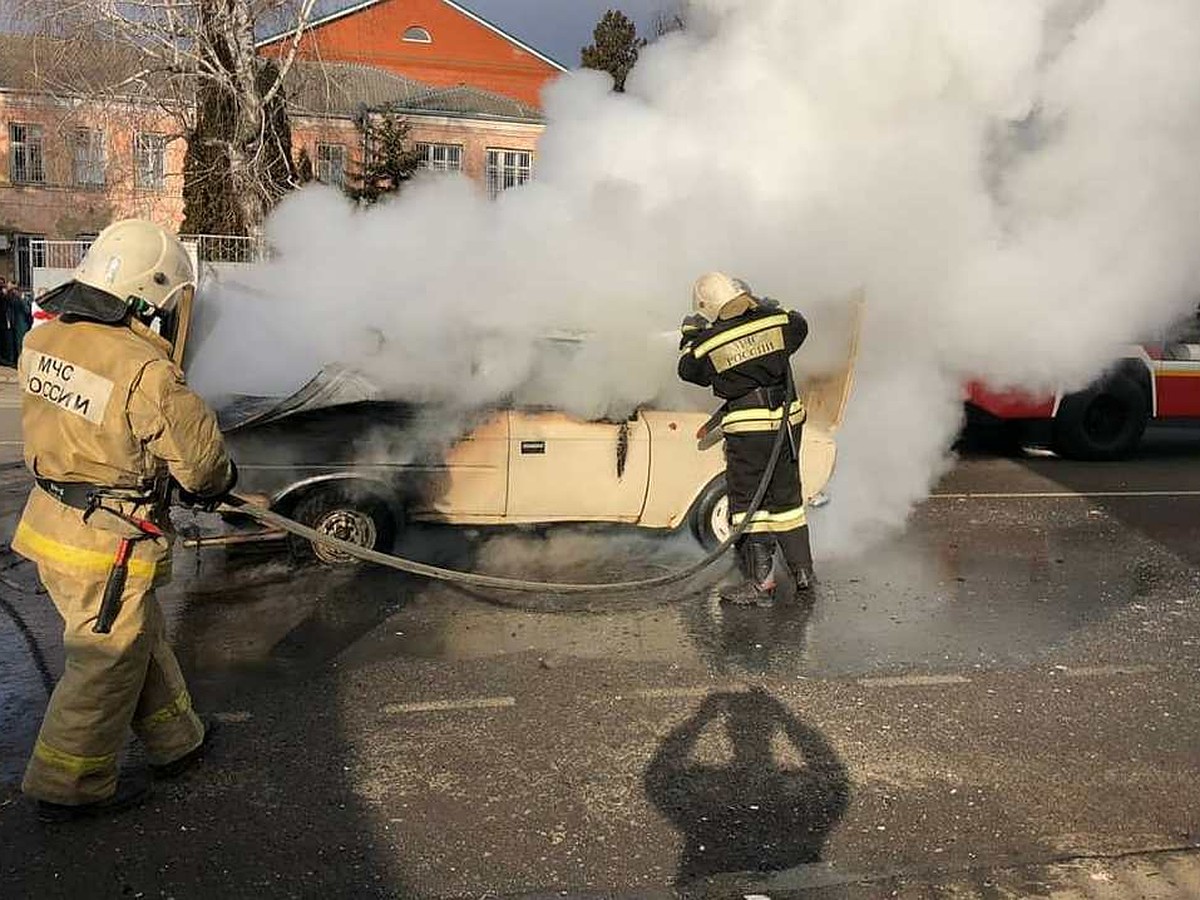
1010 682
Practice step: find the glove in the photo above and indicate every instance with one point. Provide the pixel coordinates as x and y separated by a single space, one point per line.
207 502
690 327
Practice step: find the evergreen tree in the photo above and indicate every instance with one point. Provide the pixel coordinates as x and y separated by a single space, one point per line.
614 48
389 162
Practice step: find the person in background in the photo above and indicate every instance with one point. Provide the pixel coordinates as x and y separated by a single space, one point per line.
8 326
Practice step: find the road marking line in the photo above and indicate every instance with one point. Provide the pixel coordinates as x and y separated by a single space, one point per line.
451 705
1104 671
670 693
1063 495
234 717
12 443
914 681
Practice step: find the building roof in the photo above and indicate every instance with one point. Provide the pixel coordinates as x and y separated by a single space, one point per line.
331 10
345 89
68 65
45 65
473 102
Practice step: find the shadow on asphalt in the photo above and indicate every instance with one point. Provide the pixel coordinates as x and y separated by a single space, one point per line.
749 786
272 811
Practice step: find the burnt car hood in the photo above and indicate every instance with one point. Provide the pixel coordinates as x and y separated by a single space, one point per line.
333 386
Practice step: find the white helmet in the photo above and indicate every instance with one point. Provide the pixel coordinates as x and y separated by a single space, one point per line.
142 265
715 296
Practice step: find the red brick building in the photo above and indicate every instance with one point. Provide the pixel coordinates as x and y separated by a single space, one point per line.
437 42
74 158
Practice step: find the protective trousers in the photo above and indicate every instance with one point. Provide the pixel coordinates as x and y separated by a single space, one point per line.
129 677
780 520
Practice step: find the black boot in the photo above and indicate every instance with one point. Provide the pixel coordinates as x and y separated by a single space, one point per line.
131 791
798 553
759 588
192 758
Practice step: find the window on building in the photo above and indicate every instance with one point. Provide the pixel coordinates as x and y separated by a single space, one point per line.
507 168
415 34
150 155
440 157
89 157
26 162
331 164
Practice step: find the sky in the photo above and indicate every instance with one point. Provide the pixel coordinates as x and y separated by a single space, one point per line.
559 28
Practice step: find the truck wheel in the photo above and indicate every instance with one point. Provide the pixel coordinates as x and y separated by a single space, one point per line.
710 515
1105 421
357 516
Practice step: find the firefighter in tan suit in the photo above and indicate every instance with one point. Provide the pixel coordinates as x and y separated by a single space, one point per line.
107 421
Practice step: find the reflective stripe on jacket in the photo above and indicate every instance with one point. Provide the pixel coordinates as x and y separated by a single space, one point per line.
760 418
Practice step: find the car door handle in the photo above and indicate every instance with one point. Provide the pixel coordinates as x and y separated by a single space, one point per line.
533 448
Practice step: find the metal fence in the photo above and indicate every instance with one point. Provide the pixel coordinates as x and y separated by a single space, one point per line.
227 248
210 248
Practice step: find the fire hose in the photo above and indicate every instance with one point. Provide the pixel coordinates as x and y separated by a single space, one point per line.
241 506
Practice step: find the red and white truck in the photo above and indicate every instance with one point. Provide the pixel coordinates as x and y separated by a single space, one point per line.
1152 382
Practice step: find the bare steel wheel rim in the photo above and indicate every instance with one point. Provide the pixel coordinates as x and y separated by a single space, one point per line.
718 519
349 525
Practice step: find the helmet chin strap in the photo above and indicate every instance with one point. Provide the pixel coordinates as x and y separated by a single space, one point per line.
144 312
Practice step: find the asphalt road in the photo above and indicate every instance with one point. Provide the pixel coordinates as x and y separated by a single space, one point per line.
1004 698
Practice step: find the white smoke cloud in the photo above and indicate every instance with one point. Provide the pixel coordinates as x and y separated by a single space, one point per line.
1014 185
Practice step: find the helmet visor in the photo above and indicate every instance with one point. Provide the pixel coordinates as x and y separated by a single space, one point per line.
182 294
173 317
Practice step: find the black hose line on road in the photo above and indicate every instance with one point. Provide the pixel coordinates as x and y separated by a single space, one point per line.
236 504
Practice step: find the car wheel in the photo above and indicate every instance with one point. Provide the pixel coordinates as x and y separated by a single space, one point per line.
357 516
710 516
1103 422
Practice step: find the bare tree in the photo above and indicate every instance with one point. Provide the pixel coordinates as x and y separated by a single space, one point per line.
199 61
668 20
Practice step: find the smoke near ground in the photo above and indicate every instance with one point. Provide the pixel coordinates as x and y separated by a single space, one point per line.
1014 185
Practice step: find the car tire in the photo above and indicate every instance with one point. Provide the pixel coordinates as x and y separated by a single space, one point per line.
353 514
1104 422
708 512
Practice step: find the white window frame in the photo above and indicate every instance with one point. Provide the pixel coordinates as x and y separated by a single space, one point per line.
331 165
440 157
26 153
507 168
417 34
150 160
88 160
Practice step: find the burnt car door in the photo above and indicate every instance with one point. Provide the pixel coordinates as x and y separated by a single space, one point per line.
566 469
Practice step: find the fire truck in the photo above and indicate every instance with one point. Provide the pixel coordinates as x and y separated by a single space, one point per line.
1157 381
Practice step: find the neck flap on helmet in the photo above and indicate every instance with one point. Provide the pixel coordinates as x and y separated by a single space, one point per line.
85 302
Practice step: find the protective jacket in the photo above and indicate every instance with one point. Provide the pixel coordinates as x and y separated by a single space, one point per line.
735 356
104 407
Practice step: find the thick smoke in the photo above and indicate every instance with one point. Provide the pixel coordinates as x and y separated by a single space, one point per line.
1013 184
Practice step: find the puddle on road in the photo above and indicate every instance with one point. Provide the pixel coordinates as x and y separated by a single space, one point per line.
1001 591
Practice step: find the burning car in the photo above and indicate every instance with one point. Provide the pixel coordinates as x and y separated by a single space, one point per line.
338 458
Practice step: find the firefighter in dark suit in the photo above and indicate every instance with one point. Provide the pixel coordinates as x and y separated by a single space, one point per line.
741 347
